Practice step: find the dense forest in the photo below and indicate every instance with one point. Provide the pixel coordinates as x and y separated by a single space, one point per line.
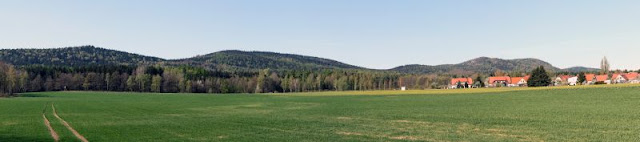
170 79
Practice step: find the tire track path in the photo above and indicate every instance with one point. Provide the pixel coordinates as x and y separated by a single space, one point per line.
80 137
53 133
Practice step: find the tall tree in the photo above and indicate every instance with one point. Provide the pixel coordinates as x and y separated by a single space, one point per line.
604 66
156 83
171 80
131 83
285 84
4 85
262 80
107 79
539 78
24 81
12 80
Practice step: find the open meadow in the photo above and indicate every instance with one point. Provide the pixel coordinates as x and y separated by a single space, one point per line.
598 113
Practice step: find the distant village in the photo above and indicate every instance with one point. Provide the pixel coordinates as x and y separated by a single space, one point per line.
604 77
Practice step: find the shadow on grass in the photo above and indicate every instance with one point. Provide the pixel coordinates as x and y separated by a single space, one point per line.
23 139
33 95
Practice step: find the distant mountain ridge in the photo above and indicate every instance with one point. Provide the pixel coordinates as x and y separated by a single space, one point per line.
256 60
581 69
485 65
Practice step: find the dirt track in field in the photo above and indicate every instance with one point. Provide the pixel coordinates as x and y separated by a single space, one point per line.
53 133
80 137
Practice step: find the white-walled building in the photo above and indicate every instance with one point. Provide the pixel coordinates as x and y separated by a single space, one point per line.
573 81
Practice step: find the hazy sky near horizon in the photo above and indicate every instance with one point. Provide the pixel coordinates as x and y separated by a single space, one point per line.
377 34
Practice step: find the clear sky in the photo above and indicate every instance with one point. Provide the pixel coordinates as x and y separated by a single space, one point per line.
377 34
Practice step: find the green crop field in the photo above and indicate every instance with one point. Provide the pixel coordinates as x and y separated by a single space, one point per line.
610 113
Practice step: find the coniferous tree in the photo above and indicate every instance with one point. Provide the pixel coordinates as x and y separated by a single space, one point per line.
581 78
539 78
479 82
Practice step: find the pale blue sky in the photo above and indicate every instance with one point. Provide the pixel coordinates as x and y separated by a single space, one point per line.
369 33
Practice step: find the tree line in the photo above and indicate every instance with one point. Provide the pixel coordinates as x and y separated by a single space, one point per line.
189 79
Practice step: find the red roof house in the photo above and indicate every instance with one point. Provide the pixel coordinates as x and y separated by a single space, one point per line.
602 78
631 76
494 81
590 77
461 80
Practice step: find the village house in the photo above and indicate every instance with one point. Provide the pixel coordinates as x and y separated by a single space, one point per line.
519 81
572 81
463 82
617 78
590 78
498 81
603 79
632 77
561 80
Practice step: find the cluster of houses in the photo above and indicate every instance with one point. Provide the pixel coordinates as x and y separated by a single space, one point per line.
561 80
616 78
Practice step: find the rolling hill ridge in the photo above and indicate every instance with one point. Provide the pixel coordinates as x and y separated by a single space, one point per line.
73 56
234 59
255 60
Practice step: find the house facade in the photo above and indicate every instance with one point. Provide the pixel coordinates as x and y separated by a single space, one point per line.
632 77
572 81
561 80
519 81
590 78
498 81
617 78
460 83
603 79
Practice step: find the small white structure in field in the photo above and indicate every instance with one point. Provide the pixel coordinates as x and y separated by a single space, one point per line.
403 88
572 81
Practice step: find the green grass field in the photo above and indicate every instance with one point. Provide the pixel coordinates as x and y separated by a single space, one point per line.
610 113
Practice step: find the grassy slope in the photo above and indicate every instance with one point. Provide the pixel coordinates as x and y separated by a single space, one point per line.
560 114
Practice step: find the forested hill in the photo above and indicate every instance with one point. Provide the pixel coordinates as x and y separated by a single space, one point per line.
73 56
483 65
230 60
233 59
